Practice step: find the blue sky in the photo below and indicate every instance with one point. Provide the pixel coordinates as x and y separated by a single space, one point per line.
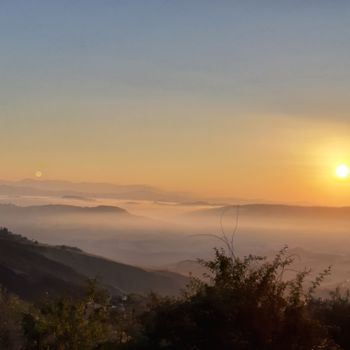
225 50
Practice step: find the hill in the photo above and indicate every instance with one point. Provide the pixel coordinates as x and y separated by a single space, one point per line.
32 270
57 209
275 211
56 188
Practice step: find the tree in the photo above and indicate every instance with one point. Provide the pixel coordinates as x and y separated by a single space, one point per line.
69 323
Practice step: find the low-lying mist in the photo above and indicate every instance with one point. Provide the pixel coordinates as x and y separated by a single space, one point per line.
172 235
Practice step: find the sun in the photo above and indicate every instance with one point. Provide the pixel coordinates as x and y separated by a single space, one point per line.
38 174
342 171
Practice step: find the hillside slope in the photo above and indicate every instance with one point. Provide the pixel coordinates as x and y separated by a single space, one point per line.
31 270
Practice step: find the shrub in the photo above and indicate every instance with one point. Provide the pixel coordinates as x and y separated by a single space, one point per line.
246 304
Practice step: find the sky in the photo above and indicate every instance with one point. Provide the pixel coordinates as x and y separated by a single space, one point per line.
245 99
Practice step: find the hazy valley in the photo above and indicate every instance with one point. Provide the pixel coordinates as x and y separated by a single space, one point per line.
171 235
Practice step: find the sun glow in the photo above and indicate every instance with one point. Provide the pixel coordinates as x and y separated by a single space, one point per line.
38 174
342 171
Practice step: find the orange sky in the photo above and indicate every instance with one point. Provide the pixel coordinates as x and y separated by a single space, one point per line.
231 99
268 158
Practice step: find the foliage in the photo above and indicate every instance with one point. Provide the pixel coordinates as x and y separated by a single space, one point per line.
11 310
242 303
68 323
334 313
246 305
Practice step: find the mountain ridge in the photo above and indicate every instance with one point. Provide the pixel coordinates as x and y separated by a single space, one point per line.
31 270
93 190
65 209
264 209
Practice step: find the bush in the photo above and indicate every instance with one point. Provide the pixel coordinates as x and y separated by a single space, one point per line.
242 303
68 323
11 310
246 304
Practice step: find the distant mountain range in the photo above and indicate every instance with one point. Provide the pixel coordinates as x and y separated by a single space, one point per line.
90 190
59 209
32 270
273 211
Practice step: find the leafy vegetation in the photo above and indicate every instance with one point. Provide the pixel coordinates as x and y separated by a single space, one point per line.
242 303
246 304
11 313
68 323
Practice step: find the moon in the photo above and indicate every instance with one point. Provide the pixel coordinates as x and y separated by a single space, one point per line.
342 171
38 174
